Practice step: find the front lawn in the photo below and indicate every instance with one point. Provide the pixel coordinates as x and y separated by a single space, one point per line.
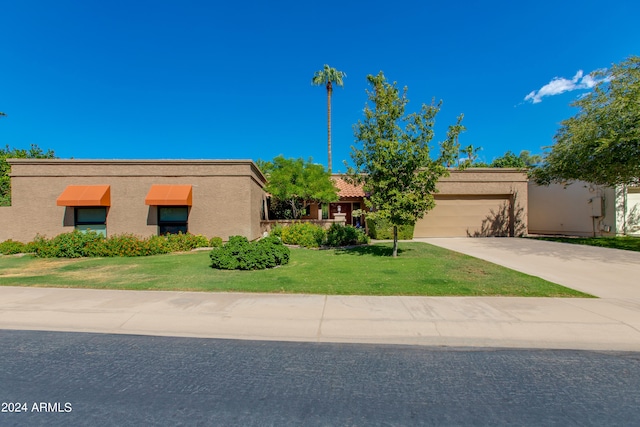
627 243
421 269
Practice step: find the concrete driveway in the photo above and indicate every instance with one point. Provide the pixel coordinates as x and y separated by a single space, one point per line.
605 273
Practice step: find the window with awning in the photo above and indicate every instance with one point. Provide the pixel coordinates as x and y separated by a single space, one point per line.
169 195
85 195
173 202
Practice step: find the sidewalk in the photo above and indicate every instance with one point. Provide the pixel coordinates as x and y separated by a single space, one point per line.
558 323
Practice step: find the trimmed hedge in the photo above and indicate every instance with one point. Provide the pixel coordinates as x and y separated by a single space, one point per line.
383 230
77 244
240 254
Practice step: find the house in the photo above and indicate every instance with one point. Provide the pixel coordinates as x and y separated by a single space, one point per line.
225 198
478 202
351 199
144 197
583 209
473 202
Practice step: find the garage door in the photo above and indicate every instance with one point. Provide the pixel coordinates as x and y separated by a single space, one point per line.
456 216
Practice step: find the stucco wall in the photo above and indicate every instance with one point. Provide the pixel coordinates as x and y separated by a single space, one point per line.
572 209
478 202
227 195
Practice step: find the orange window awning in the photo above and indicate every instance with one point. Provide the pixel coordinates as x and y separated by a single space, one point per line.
85 195
169 195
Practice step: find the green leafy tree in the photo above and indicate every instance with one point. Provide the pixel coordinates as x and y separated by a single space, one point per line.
508 160
471 154
524 160
601 143
327 77
294 183
394 163
530 160
34 152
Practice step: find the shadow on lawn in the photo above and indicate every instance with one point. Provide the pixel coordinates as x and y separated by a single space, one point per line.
375 250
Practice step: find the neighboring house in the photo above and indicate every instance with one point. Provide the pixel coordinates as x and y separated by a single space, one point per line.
351 199
144 197
583 209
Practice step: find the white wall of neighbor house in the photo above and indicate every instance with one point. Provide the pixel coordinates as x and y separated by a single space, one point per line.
576 209
627 203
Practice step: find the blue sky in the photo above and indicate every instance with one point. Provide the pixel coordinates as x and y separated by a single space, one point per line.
231 80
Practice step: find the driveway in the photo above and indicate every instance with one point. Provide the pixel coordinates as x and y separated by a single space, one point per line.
605 273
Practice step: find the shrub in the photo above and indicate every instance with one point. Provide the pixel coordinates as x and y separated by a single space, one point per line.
215 242
304 234
10 247
240 254
69 245
341 235
90 244
276 230
125 245
382 230
186 242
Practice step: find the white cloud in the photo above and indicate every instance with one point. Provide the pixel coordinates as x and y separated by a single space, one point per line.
559 85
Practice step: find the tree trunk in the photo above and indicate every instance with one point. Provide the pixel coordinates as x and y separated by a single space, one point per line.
329 90
395 241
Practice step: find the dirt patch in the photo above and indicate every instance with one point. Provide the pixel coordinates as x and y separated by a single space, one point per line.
99 274
40 267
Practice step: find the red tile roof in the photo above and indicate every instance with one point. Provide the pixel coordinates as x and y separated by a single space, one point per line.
346 189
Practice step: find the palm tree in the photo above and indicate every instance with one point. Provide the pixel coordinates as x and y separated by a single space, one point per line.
327 77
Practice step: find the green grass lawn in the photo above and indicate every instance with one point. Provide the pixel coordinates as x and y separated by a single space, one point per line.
628 243
420 269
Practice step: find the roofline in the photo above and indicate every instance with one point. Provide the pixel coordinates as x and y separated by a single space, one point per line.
150 162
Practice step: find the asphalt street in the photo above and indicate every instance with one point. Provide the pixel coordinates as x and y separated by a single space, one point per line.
70 378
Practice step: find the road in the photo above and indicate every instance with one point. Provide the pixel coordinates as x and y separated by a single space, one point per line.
103 379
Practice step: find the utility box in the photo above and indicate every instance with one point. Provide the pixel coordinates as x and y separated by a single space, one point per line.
597 207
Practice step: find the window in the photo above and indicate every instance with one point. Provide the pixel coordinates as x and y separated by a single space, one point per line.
173 219
94 219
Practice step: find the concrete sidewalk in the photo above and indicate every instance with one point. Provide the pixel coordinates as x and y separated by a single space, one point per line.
558 323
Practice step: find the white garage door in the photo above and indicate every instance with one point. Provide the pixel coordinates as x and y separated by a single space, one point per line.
456 216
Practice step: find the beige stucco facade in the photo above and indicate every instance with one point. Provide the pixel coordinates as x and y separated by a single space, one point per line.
478 202
227 195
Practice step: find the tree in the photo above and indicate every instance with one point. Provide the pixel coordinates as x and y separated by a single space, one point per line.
471 154
294 183
530 160
327 76
394 163
2 114
601 143
34 152
508 160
